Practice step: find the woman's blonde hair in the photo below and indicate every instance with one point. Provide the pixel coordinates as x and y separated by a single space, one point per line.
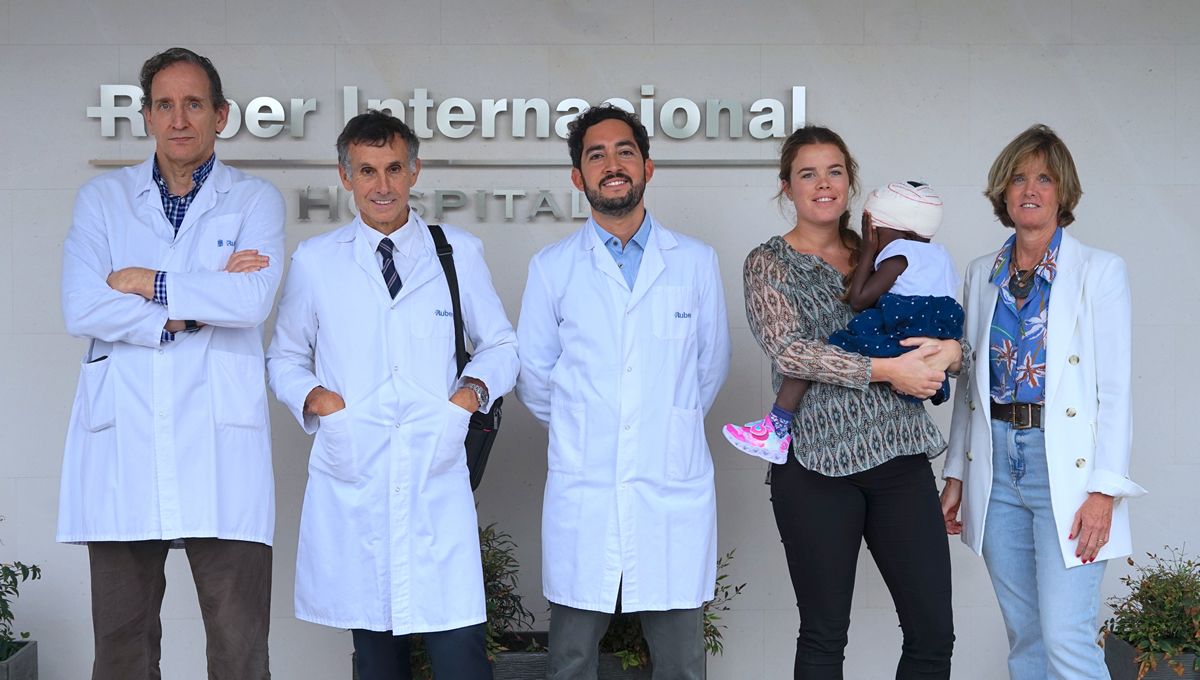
1037 141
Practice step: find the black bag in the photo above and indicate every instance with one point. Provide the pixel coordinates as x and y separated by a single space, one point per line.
481 432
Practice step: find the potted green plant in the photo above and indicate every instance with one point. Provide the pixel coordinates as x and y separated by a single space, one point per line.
18 654
1154 631
506 614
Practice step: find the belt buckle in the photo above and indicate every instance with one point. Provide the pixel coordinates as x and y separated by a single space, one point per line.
1022 424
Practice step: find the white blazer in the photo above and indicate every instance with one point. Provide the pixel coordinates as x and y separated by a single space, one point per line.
170 440
623 379
388 534
1087 415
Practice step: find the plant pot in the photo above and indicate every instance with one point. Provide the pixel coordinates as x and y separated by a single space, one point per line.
527 665
1119 656
22 665
531 665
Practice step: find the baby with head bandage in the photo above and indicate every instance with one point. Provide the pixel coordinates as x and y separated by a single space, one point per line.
902 287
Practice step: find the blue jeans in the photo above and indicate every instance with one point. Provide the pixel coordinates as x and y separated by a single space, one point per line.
1049 610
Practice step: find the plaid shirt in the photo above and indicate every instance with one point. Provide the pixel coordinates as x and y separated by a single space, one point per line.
176 208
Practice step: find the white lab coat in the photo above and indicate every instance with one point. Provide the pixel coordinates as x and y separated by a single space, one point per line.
170 440
388 534
623 380
1088 415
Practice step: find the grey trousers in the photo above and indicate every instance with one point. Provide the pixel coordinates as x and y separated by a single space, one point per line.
675 637
233 582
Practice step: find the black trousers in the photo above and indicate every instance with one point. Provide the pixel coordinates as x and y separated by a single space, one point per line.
457 654
822 521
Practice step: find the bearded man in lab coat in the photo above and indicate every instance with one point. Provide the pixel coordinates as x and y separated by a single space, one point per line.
364 356
624 343
168 440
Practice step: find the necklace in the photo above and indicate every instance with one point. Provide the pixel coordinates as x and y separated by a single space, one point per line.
1020 283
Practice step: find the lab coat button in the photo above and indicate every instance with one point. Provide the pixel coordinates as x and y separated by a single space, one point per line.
1079 462
629 369
161 351
969 457
626 428
397 426
1070 413
971 404
1073 359
396 489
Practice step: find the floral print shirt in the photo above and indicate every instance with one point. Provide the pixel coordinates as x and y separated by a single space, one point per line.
1017 346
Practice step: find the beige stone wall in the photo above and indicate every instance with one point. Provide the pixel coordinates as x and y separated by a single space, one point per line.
928 89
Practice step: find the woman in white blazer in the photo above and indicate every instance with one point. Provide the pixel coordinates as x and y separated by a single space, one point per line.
1041 432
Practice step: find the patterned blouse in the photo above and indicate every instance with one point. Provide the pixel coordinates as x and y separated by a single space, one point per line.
845 423
1017 342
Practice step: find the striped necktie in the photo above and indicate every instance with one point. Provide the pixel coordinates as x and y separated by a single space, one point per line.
390 277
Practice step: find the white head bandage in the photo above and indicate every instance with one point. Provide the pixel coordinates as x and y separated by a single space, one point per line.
902 206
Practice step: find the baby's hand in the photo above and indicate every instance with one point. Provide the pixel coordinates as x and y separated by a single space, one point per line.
870 240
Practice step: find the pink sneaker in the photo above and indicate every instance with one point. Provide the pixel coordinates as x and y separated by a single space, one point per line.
759 439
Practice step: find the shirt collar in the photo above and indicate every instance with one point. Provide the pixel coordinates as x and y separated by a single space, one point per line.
404 239
199 175
1046 270
640 237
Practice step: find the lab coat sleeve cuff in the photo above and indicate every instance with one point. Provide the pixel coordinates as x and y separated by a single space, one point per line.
1112 484
308 421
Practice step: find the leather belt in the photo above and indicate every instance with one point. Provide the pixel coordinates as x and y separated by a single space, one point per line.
1019 416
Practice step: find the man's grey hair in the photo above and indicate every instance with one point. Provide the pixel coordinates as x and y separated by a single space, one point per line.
376 128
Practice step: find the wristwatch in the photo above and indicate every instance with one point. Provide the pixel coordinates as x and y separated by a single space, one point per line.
190 325
481 393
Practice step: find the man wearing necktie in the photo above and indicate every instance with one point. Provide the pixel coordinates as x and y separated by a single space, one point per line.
364 357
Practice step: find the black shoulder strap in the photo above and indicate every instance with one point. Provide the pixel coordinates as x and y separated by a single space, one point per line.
446 254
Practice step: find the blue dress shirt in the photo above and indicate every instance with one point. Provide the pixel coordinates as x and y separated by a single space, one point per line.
629 258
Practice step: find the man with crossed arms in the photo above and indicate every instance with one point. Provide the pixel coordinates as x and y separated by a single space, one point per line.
169 270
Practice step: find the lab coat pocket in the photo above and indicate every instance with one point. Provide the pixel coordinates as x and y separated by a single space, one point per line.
238 389
433 323
568 440
99 402
674 309
687 456
450 450
333 451
217 242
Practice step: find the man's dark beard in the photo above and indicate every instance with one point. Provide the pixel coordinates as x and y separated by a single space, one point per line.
616 207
